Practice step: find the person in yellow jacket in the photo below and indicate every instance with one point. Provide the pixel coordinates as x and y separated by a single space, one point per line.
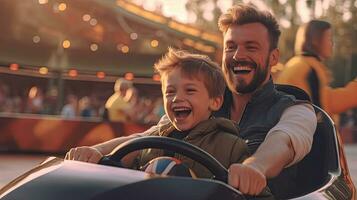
305 70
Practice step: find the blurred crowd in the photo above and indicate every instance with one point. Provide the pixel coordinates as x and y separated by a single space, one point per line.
138 109
134 108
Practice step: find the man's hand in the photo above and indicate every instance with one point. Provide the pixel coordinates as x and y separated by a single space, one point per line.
246 178
85 154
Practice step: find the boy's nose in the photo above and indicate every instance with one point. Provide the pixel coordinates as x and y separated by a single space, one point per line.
176 99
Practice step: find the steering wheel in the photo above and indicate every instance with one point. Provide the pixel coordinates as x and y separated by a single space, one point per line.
165 143
178 146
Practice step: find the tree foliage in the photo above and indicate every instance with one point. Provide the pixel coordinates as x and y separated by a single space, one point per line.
290 13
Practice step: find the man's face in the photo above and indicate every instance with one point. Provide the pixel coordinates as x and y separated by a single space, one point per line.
246 57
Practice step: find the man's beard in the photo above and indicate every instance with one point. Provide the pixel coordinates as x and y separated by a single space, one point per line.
241 86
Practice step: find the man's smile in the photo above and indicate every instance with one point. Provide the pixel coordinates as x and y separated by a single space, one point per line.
242 67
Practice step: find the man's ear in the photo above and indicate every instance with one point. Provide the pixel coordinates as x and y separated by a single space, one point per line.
215 103
274 57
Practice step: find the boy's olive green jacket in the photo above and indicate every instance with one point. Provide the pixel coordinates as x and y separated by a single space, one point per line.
217 136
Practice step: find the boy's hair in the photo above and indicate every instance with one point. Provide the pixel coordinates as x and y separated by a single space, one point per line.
309 35
195 66
245 14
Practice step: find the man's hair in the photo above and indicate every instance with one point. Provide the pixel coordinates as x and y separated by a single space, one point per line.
194 66
241 14
309 35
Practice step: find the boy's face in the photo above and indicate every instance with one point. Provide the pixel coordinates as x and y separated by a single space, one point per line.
186 100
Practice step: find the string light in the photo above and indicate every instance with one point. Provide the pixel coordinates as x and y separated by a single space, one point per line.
154 43
66 44
14 67
156 77
86 17
93 47
125 49
42 1
72 73
93 22
133 36
100 75
62 7
36 39
43 70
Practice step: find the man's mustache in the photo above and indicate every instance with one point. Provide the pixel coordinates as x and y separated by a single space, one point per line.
234 63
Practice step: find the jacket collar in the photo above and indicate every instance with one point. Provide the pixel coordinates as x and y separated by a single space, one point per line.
263 93
205 127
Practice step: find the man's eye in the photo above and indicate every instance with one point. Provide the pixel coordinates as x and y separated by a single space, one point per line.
191 91
252 48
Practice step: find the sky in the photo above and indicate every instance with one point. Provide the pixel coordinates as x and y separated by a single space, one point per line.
176 8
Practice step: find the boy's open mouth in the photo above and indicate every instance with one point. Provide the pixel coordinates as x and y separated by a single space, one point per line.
181 112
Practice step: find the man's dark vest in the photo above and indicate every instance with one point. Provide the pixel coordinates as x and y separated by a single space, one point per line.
261 114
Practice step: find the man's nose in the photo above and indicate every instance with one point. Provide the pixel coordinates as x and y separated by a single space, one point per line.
238 54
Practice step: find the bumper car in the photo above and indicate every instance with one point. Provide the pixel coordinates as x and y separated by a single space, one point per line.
322 174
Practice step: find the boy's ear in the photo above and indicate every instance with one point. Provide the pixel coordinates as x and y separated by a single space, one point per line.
215 103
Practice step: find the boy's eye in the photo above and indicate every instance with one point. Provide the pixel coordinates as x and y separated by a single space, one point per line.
169 92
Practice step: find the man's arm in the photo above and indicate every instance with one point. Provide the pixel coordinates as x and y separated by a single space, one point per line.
287 143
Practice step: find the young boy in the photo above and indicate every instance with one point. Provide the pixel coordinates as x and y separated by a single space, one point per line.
192 88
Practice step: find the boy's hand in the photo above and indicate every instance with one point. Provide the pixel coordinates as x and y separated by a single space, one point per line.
246 178
85 154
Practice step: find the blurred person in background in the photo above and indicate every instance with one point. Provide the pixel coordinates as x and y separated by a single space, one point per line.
306 70
70 109
85 109
156 112
118 105
35 100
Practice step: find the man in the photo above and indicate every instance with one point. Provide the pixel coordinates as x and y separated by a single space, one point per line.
277 128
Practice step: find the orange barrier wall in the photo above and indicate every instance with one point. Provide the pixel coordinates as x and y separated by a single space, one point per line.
53 134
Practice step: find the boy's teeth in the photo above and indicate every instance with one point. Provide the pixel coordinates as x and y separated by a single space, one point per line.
180 109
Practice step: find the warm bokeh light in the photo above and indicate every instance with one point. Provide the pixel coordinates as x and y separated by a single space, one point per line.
66 44
72 73
86 17
133 36
100 75
62 7
93 47
93 22
125 49
14 67
36 39
154 43
43 70
129 76
42 1
156 77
